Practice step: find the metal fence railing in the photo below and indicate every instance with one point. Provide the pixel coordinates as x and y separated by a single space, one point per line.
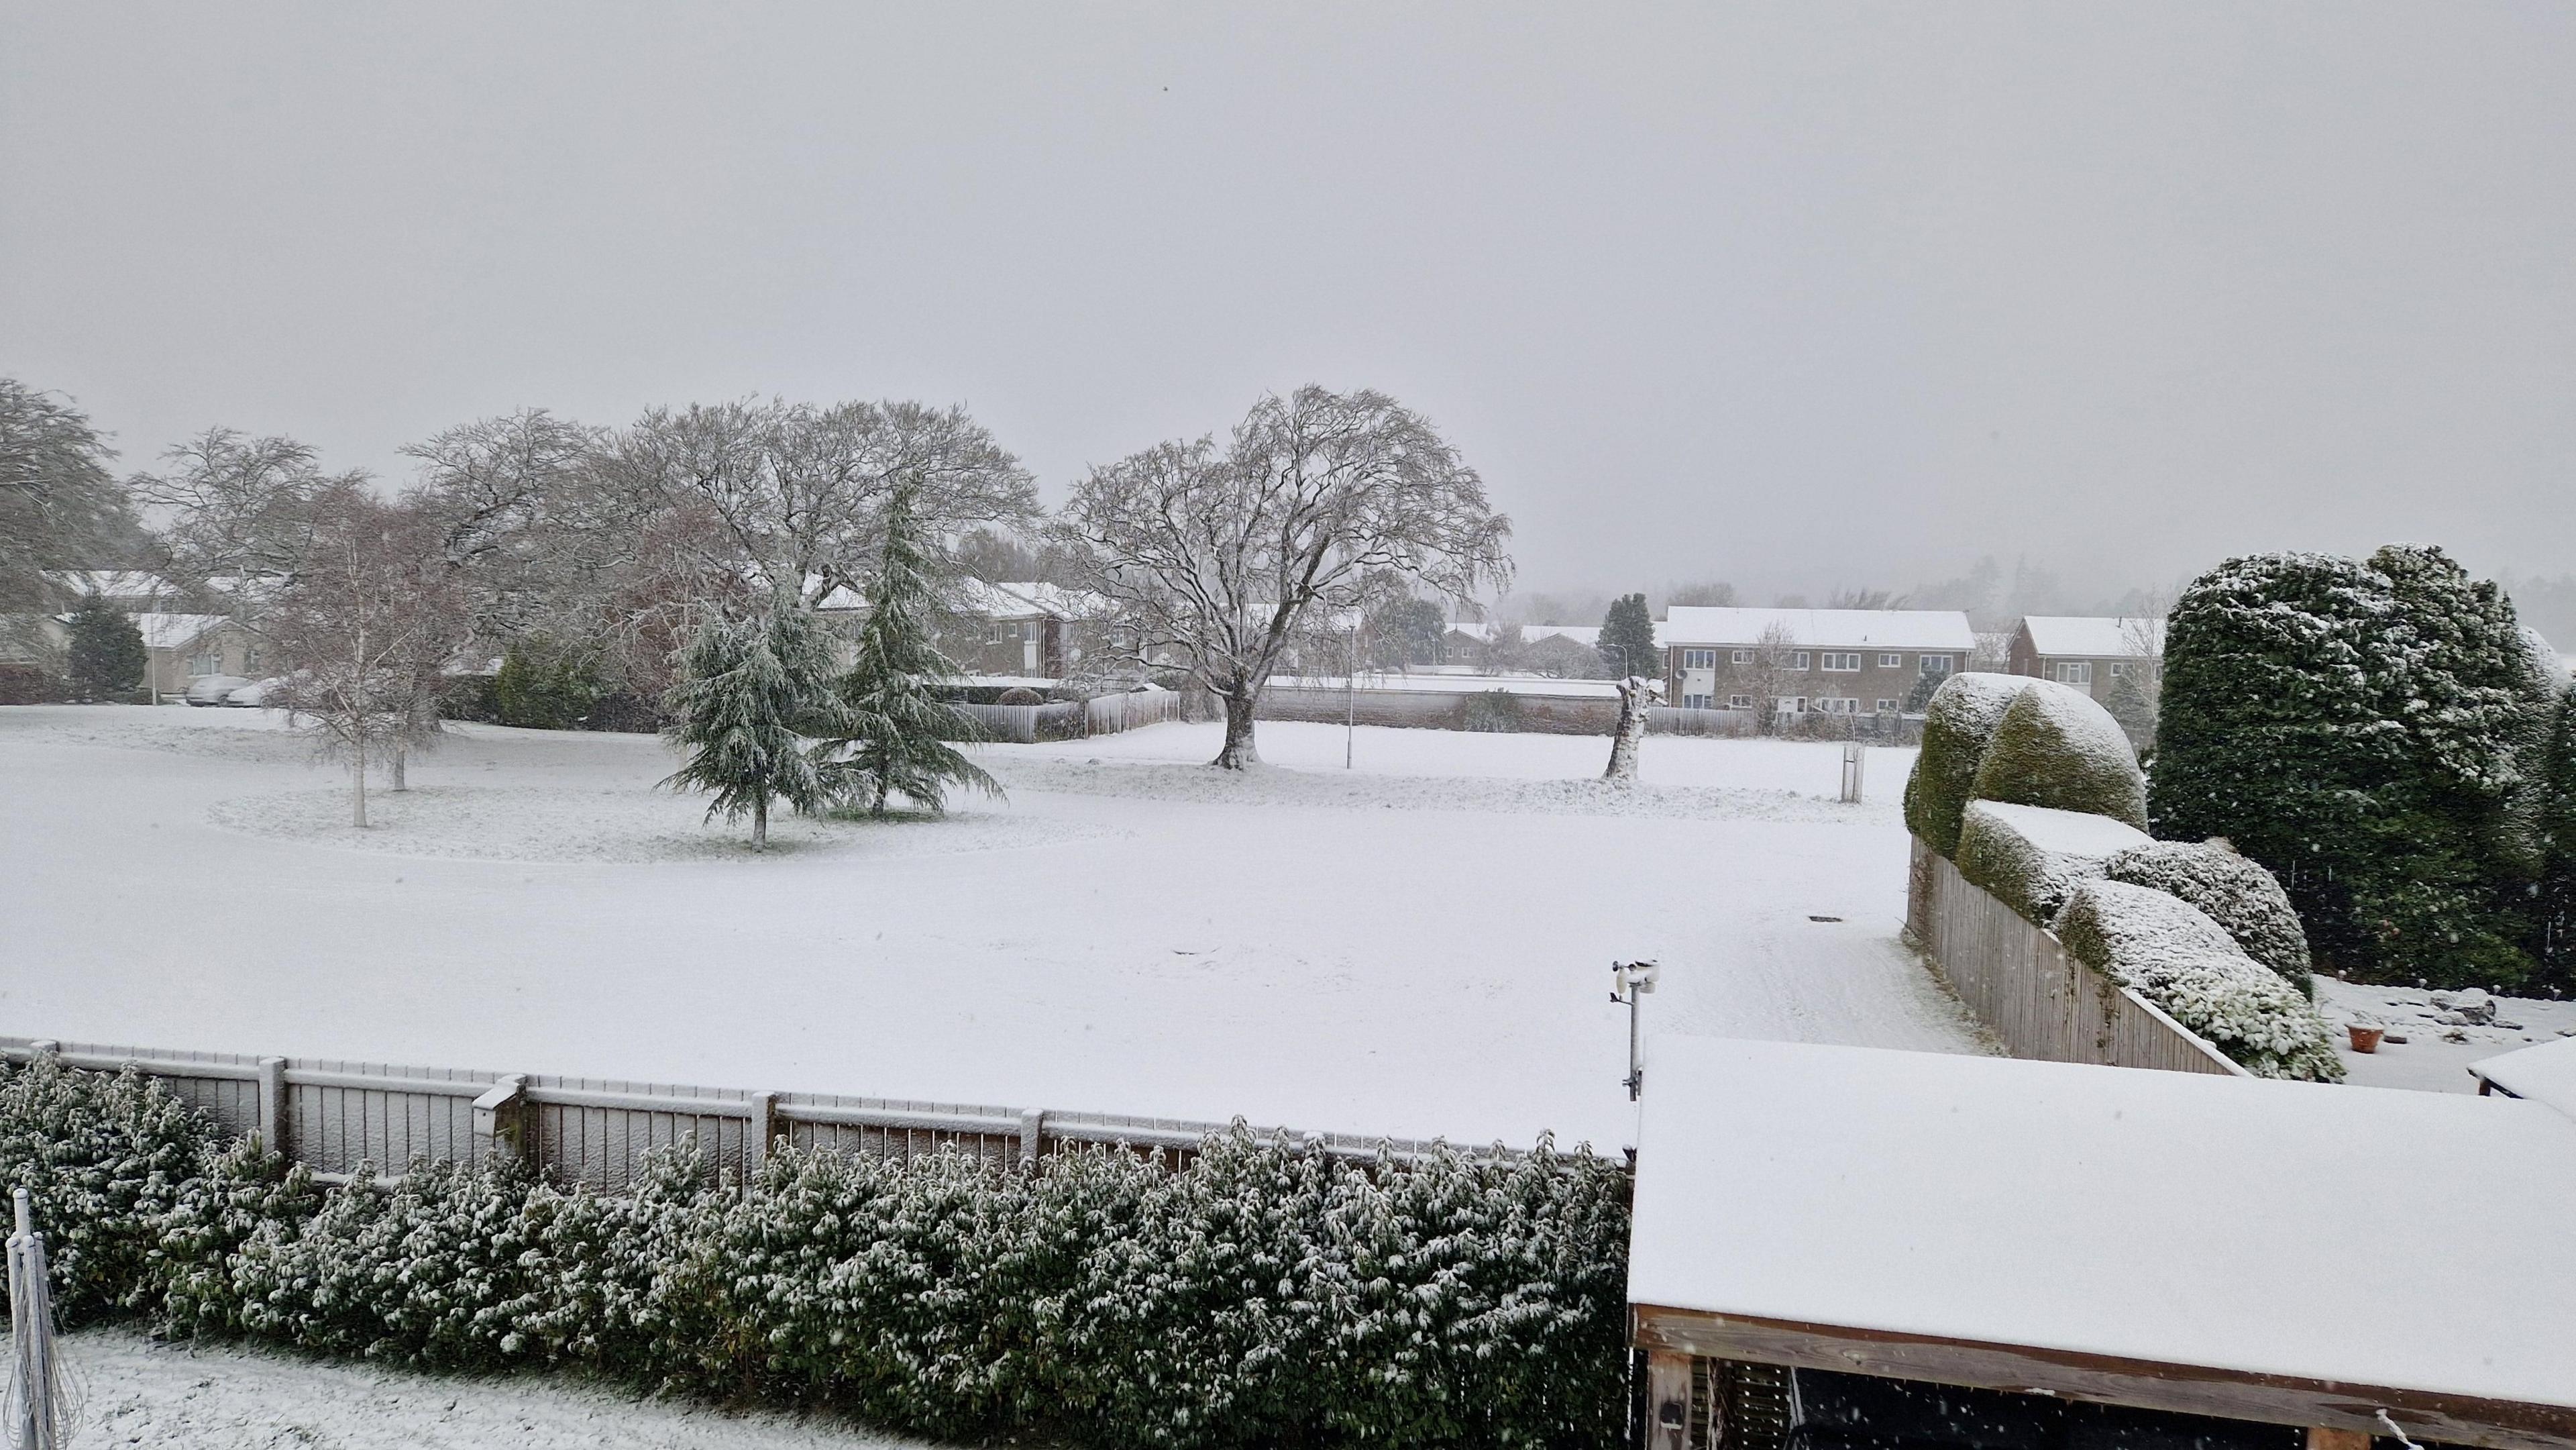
336 1115
1072 719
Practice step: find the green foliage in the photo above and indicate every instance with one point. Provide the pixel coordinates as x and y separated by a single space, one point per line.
1998 857
1407 631
2176 956
2055 748
1493 712
1260 1292
894 731
1628 639
2553 917
2365 730
545 684
750 690
1958 721
2238 894
106 656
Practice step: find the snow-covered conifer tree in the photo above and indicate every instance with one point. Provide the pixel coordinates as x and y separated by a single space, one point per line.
896 730
749 693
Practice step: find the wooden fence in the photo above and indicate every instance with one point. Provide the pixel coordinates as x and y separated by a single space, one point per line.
334 1116
2021 982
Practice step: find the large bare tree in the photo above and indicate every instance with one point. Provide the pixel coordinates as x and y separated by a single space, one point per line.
1209 558
237 513
59 506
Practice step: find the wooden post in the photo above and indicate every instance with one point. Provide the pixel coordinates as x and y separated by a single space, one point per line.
272 1104
755 1142
500 1126
2322 1438
1668 1396
1032 1132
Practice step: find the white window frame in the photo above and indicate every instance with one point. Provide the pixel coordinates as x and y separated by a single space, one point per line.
1791 704
1885 707
2118 668
1739 702
1696 702
1798 660
1837 705
2072 672
1935 664
1890 661
1699 659
1840 661
1743 657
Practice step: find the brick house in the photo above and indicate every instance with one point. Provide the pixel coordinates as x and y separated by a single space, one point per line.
2086 651
179 648
1026 631
1808 661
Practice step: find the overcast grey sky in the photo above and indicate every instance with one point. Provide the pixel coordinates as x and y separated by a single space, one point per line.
1793 295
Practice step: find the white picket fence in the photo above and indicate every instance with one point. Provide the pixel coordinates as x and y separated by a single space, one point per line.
335 1116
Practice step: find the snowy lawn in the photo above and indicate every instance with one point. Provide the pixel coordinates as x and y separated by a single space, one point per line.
2435 1055
1386 950
165 1397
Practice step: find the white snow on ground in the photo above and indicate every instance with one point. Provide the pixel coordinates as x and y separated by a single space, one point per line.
1376 951
168 1397
2435 1055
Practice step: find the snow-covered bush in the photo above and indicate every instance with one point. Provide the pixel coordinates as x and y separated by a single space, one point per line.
2031 857
2054 747
1494 712
2240 895
106 1157
2175 956
1958 720
243 1191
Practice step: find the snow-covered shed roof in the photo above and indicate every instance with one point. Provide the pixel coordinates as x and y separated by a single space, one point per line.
2545 1074
2026 1224
1936 629
2094 636
175 631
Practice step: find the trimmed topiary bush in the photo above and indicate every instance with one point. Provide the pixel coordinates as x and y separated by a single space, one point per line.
2030 857
1958 720
2242 897
2055 748
2171 953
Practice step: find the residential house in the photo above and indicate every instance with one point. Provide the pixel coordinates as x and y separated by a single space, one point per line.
1808 661
2088 652
179 648
1019 631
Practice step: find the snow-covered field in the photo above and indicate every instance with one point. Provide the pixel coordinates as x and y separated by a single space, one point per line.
162 1397
1416 947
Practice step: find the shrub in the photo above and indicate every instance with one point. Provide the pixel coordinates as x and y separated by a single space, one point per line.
1958 720
26 683
545 684
107 1157
244 1190
2031 857
2055 748
1492 711
2238 894
2175 956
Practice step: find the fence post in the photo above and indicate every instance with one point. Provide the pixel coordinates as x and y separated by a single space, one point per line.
500 1126
272 1104
755 1142
1032 1133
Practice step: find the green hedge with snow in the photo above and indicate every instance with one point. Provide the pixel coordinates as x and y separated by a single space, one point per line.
2173 954
2054 747
1957 722
2237 893
1259 1293
2030 857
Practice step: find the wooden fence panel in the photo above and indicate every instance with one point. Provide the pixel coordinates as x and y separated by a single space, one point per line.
2021 982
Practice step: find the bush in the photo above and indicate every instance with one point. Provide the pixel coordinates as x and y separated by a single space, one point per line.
2242 897
1958 721
2055 748
545 684
22 683
1492 711
2030 858
2175 956
107 1158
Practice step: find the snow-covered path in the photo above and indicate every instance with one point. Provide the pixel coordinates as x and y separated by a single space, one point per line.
1430 959
165 1397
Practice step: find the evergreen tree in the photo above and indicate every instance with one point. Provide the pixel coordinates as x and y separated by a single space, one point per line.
545 684
2358 728
2553 924
1628 638
895 731
750 691
107 657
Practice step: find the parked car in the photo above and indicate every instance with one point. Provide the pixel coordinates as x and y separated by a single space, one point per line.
255 694
211 689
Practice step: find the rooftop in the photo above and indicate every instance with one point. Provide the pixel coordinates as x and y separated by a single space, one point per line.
1933 629
2095 636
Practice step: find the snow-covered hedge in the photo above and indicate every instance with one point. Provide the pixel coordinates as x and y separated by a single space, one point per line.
1957 722
2238 894
1259 1293
2175 956
2055 747
2030 858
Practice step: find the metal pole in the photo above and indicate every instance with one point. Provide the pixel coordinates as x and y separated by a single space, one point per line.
1351 701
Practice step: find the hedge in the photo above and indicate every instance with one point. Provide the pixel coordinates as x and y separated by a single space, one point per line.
2054 747
1957 722
1256 1293
2175 956
2237 893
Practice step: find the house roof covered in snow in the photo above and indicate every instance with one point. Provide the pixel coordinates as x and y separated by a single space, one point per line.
2094 636
1935 629
2544 1074
114 583
176 631
1588 635
2229 1244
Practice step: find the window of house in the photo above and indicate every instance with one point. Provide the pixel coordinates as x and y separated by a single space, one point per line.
1000 634
1886 707
1891 661
1798 661
1792 704
1739 702
1695 702
1743 657
1842 660
1699 659
2073 672
2118 669
1938 664
1837 705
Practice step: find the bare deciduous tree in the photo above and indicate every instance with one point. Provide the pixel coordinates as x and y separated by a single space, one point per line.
59 506
239 513
1768 675
1209 558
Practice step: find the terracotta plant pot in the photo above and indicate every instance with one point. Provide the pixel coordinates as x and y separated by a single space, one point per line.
2364 1039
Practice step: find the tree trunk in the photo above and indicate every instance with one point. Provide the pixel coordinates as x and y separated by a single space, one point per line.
1630 732
1238 751
760 823
400 755
358 782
